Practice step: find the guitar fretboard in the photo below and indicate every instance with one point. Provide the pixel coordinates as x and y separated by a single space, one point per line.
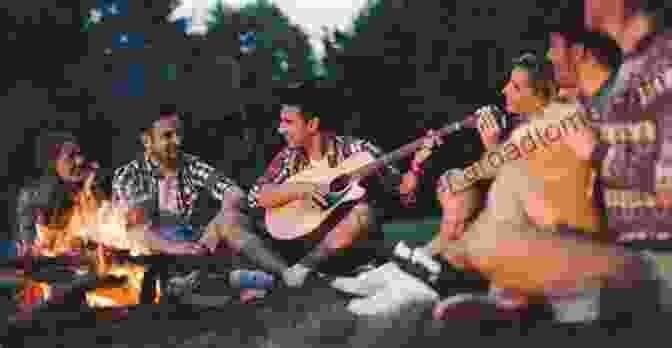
408 149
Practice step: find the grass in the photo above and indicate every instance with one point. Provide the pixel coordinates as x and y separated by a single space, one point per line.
412 230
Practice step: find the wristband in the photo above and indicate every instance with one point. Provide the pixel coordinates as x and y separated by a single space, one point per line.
416 168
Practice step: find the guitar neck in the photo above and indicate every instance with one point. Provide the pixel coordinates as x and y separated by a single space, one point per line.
411 148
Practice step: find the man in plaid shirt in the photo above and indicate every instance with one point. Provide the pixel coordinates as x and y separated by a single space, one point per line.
165 189
311 145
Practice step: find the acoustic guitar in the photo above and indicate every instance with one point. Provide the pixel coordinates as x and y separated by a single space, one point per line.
300 218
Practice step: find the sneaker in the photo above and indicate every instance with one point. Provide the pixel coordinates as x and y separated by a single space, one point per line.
366 283
402 289
179 284
577 307
296 275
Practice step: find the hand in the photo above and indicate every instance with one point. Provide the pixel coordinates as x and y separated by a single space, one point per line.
664 199
310 191
135 216
582 141
90 177
454 215
208 242
24 248
36 248
535 207
487 126
454 203
431 140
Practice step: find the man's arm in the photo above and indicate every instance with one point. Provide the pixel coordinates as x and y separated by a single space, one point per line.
269 192
275 195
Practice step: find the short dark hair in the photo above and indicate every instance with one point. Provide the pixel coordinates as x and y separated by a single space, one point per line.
540 72
648 7
167 110
312 97
602 46
164 110
304 95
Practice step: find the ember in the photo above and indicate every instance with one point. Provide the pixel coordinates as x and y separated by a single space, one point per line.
104 227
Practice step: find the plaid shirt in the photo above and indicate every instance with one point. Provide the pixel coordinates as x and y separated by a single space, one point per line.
137 184
291 160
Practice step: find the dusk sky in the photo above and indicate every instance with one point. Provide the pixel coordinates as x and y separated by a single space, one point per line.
311 15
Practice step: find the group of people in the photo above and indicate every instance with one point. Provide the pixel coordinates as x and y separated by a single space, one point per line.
566 208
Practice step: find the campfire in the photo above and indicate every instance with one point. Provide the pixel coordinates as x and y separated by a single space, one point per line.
97 232
122 296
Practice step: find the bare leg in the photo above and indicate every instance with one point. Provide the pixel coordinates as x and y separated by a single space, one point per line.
235 229
457 209
354 226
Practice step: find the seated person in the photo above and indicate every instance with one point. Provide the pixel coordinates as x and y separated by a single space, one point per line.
312 147
188 206
54 211
43 201
552 170
461 204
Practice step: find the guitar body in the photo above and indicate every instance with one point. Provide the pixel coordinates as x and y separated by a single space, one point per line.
300 218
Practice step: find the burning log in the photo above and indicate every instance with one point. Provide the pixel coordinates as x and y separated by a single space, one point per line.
95 231
59 292
31 263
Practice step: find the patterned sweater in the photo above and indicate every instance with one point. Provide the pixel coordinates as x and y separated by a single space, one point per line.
634 157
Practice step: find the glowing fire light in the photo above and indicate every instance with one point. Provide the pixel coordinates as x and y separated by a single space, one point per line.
105 225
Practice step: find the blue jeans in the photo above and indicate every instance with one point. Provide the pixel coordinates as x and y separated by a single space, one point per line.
177 232
8 248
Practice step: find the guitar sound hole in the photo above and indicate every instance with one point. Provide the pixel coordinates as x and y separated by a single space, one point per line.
339 184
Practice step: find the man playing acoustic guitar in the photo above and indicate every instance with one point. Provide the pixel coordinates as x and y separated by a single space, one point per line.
309 146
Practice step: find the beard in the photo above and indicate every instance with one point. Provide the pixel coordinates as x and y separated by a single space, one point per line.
167 157
565 79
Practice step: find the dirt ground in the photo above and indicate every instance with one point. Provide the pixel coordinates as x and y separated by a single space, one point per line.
313 316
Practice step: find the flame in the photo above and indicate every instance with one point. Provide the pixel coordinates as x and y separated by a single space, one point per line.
105 224
123 296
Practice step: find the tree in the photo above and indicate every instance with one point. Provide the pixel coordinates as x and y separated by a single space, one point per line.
280 52
427 63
